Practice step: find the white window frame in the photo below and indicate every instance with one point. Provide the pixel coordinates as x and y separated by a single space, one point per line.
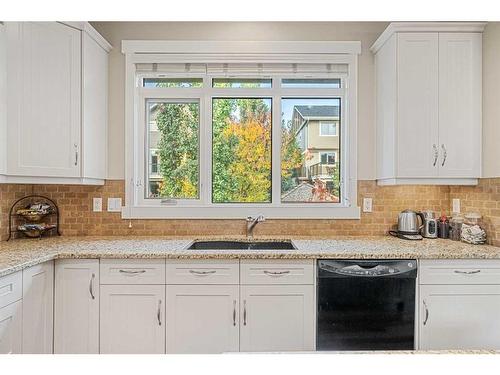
136 206
334 123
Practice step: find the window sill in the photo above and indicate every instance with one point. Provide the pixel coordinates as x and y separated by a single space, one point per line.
311 211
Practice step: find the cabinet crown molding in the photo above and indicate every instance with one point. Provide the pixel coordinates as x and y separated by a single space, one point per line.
419 27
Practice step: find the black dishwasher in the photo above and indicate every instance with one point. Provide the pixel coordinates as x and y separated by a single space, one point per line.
366 304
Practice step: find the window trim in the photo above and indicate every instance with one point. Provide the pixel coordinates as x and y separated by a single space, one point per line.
328 122
138 51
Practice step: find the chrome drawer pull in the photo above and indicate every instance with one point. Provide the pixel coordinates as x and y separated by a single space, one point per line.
436 154
426 313
202 273
132 272
158 315
234 313
245 312
276 273
445 154
467 272
91 286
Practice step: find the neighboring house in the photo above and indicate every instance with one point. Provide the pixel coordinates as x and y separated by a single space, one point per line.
317 130
154 166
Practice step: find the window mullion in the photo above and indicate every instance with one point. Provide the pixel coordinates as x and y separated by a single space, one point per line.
276 141
206 144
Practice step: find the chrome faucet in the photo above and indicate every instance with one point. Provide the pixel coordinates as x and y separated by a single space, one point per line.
252 222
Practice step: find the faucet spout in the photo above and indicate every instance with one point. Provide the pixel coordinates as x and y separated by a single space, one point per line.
252 222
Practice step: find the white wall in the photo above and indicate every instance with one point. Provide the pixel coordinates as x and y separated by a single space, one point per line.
491 106
366 32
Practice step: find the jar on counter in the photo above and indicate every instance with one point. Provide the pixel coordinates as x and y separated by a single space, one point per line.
456 223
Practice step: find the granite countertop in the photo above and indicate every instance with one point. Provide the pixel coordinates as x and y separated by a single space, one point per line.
18 254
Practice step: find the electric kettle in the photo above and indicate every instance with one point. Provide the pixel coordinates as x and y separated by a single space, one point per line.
408 226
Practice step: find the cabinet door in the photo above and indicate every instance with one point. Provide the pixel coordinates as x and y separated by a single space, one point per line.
44 85
459 317
11 328
277 318
95 108
417 113
76 315
202 318
132 319
460 104
38 317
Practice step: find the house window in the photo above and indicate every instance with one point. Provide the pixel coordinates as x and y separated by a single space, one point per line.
329 158
173 147
328 128
232 139
153 170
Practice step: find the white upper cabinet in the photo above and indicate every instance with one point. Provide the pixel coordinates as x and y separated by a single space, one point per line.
460 104
417 96
43 115
56 103
428 103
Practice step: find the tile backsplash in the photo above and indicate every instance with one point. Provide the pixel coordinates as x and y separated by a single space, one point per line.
77 218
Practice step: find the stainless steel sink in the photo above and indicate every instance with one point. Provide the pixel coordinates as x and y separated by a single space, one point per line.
242 245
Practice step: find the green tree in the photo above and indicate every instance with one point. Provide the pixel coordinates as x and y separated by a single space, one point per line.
178 148
291 157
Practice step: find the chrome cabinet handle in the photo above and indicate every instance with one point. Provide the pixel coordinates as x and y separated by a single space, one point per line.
467 272
91 286
244 312
132 272
234 313
76 153
445 154
158 314
276 273
436 154
202 273
426 312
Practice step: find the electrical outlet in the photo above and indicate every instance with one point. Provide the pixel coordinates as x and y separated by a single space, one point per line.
97 204
456 206
367 204
114 204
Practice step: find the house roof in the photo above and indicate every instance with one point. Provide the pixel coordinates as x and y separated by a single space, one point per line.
308 111
300 193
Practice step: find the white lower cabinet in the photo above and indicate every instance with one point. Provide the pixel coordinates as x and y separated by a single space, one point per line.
459 317
277 318
76 306
38 316
202 318
132 319
11 328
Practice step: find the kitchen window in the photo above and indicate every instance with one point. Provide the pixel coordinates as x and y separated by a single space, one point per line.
234 139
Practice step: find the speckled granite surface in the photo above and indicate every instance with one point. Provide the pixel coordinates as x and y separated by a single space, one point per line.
18 254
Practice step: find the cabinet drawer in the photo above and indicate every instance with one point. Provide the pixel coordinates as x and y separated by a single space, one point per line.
484 271
209 271
277 272
11 288
132 271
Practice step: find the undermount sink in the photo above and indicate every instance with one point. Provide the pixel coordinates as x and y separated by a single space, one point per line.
242 245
